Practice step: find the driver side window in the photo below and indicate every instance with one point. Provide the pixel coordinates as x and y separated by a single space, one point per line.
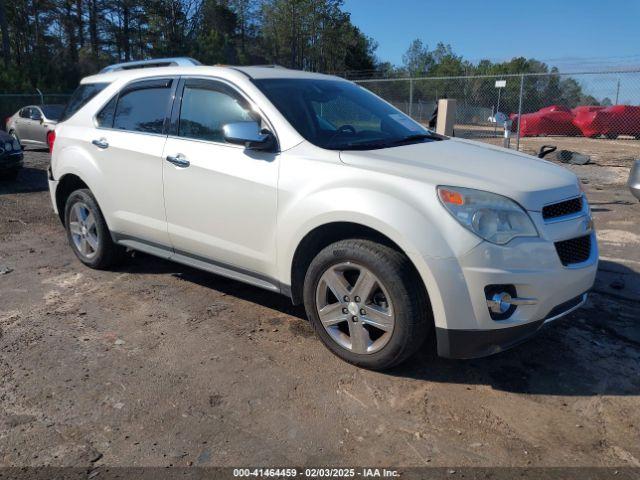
207 107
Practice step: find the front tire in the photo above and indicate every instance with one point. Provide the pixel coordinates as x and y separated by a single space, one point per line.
367 303
88 233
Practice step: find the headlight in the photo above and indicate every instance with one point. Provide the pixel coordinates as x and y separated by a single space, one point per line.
492 217
8 147
16 145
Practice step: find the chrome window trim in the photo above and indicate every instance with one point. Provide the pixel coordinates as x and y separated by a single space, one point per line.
234 87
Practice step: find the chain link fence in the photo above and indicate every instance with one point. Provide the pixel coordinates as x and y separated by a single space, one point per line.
597 105
10 103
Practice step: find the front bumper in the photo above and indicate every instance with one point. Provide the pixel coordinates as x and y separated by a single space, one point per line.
465 344
532 266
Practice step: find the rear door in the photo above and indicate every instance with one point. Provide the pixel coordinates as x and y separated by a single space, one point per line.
127 144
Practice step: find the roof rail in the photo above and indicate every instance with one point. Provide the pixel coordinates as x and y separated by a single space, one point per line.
159 62
270 65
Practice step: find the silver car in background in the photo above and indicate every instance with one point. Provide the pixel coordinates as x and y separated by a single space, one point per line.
31 125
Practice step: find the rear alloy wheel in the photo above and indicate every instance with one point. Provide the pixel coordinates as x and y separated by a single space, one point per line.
366 303
88 233
84 231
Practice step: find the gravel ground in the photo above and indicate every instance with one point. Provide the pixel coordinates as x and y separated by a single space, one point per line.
156 364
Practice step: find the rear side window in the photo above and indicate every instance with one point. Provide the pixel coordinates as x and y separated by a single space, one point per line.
81 97
142 107
25 113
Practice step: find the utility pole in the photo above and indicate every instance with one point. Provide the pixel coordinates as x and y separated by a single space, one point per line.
617 91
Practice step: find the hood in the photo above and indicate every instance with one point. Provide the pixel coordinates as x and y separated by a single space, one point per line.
530 181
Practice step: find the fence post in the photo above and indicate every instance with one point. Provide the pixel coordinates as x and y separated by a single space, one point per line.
519 112
411 97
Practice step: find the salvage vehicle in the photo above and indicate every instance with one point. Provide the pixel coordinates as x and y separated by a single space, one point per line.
34 125
312 186
11 157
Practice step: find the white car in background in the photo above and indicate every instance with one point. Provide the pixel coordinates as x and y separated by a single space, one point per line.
311 186
33 125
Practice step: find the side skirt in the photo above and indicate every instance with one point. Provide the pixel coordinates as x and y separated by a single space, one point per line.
201 263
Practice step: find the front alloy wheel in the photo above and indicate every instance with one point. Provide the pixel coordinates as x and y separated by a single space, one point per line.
355 308
367 303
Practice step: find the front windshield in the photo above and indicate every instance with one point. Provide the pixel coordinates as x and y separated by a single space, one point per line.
52 112
340 115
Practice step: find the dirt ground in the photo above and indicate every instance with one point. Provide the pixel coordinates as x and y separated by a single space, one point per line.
156 364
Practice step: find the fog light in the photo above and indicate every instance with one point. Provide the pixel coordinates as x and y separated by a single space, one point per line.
500 303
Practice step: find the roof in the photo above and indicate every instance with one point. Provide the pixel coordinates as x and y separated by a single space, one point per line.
254 72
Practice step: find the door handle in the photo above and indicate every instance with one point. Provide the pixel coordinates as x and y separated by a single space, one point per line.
101 143
178 160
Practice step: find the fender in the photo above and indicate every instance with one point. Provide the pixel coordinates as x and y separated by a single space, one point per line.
401 220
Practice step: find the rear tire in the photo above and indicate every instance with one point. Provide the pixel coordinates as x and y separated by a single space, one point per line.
87 232
367 303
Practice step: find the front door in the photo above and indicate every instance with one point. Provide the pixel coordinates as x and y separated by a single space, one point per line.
220 198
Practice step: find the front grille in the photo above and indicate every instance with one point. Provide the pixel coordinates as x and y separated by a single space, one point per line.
576 250
562 208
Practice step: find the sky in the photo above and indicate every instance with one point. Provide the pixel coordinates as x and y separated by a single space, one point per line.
574 35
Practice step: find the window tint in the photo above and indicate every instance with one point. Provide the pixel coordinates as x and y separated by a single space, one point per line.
105 117
207 107
81 97
142 110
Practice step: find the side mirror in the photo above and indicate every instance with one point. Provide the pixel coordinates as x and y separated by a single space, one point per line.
249 135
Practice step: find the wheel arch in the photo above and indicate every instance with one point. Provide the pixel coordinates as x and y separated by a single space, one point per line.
67 184
325 234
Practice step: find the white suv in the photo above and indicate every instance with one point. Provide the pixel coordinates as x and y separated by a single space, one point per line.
313 187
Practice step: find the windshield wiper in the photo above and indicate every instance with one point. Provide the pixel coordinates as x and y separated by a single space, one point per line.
365 145
386 143
416 137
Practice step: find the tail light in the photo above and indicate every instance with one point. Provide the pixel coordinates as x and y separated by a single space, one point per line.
51 138
6 121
